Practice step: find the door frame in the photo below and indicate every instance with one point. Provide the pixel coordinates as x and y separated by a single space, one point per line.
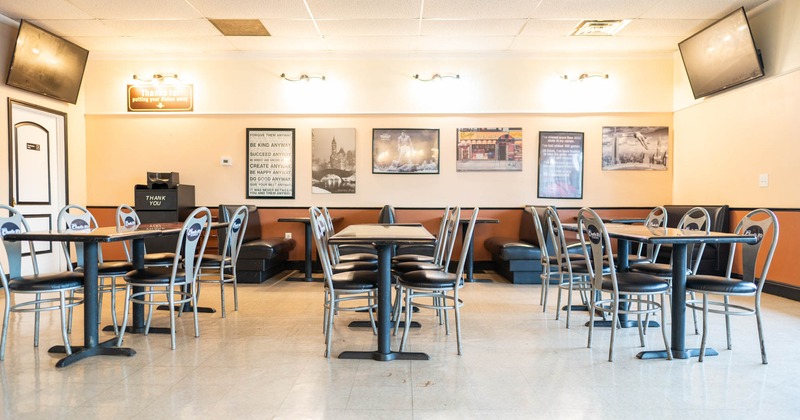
11 175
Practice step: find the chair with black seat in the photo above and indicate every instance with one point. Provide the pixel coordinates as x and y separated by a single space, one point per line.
573 273
618 293
127 217
696 218
441 259
436 247
177 280
343 287
758 222
440 285
657 218
42 286
347 262
221 268
77 218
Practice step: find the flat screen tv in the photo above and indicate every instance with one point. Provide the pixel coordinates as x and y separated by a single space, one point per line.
46 64
721 56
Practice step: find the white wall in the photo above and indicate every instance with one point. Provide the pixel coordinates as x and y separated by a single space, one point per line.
725 142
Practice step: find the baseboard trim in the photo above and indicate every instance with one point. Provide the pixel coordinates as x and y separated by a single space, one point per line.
783 290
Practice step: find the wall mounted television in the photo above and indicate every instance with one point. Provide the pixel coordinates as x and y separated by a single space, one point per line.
46 64
721 56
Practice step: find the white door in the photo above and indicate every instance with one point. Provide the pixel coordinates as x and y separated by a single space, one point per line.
38 174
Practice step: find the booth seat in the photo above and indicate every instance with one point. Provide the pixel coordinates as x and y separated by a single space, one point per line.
260 257
519 259
715 256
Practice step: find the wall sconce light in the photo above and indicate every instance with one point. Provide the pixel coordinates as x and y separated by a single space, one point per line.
156 77
437 76
583 76
303 76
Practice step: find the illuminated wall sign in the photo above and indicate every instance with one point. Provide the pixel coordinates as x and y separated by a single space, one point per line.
160 98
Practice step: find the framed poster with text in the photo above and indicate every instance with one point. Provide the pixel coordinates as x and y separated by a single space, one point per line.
270 163
560 164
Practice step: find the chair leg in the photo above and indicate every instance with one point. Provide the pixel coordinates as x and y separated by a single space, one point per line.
591 319
400 298
558 297
222 290
371 302
728 323
457 310
614 322
664 329
194 309
694 314
329 328
124 315
705 328
37 317
100 294
409 310
760 326
6 313
114 305
63 312
569 300
171 303
235 292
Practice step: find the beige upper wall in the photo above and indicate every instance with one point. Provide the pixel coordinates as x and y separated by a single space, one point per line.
723 143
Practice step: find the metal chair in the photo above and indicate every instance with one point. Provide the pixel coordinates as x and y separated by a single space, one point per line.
447 239
697 218
42 286
758 222
440 285
106 270
348 286
177 280
127 217
436 247
358 261
629 292
550 264
221 268
655 219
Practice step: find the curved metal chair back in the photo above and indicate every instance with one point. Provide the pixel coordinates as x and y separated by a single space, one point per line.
594 231
333 250
556 232
657 218
468 236
437 249
236 229
697 218
320 229
15 223
83 220
127 217
192 240
537 224
758 222
448 238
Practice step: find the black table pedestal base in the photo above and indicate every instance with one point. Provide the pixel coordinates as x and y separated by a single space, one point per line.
79 352
624 324
188 308
139 330
367 324
677 354
383 357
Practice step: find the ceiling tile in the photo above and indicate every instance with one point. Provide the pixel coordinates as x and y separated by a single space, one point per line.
540 27
369 27
592 9
92 27
276 43
374 44
139 9
693 9
485 27
163 28
252 9
290 27
465 44
478 9
42 9
662 27
364 9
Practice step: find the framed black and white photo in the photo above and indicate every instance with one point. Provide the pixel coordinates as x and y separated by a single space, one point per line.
405 151
560 164
270 163
333 160
635 148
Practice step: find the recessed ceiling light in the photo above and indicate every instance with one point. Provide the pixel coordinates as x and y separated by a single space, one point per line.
240 27
599 27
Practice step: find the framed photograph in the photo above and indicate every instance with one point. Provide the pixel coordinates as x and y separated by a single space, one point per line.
270 163
489 149
560 164
405 151
333 160
635 148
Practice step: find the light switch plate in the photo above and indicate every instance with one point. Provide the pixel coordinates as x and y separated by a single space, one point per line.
225 161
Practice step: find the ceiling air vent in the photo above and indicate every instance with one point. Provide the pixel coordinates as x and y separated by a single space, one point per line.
240 27
599 27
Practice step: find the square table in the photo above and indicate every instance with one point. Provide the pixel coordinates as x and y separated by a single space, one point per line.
383 237
679 239
91 240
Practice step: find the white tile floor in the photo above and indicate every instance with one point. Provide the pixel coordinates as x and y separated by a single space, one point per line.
265 361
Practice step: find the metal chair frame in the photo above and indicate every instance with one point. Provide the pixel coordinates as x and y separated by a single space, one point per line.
222 269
